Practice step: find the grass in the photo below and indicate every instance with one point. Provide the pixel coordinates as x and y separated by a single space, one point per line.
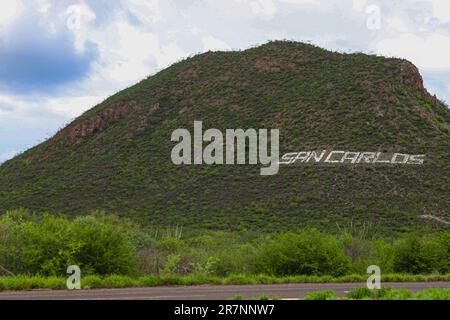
321 295
30 283
388 293
119 281
385 293
434 294
363 293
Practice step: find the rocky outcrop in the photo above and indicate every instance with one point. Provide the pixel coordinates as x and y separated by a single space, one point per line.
97 123
411 77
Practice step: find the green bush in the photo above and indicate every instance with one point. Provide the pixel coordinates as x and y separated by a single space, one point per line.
234 259
444 241
32 245
104 247
417 255
384 256
304 253
48 244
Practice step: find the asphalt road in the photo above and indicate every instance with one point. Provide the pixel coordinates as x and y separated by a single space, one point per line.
205 292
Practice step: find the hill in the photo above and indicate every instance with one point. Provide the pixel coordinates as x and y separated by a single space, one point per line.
116 156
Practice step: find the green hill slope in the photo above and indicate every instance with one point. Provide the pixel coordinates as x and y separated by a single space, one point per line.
116 156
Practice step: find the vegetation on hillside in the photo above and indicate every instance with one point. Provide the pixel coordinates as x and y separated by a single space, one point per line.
116 156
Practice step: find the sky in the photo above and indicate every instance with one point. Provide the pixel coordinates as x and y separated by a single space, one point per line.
60 58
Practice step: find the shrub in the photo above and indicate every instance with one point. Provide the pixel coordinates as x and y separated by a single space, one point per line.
48 244
235 259
32 245
419 255
384 256
444 264
171 265
104 247
304 253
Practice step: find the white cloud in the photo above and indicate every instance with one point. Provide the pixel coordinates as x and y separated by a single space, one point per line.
77 18
302 2
34 109
149 11
129 61
259 8
441 10
360 5
430 52
263 7
7 155
396 24
72 106
10 9
244 8
44 6
213 44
